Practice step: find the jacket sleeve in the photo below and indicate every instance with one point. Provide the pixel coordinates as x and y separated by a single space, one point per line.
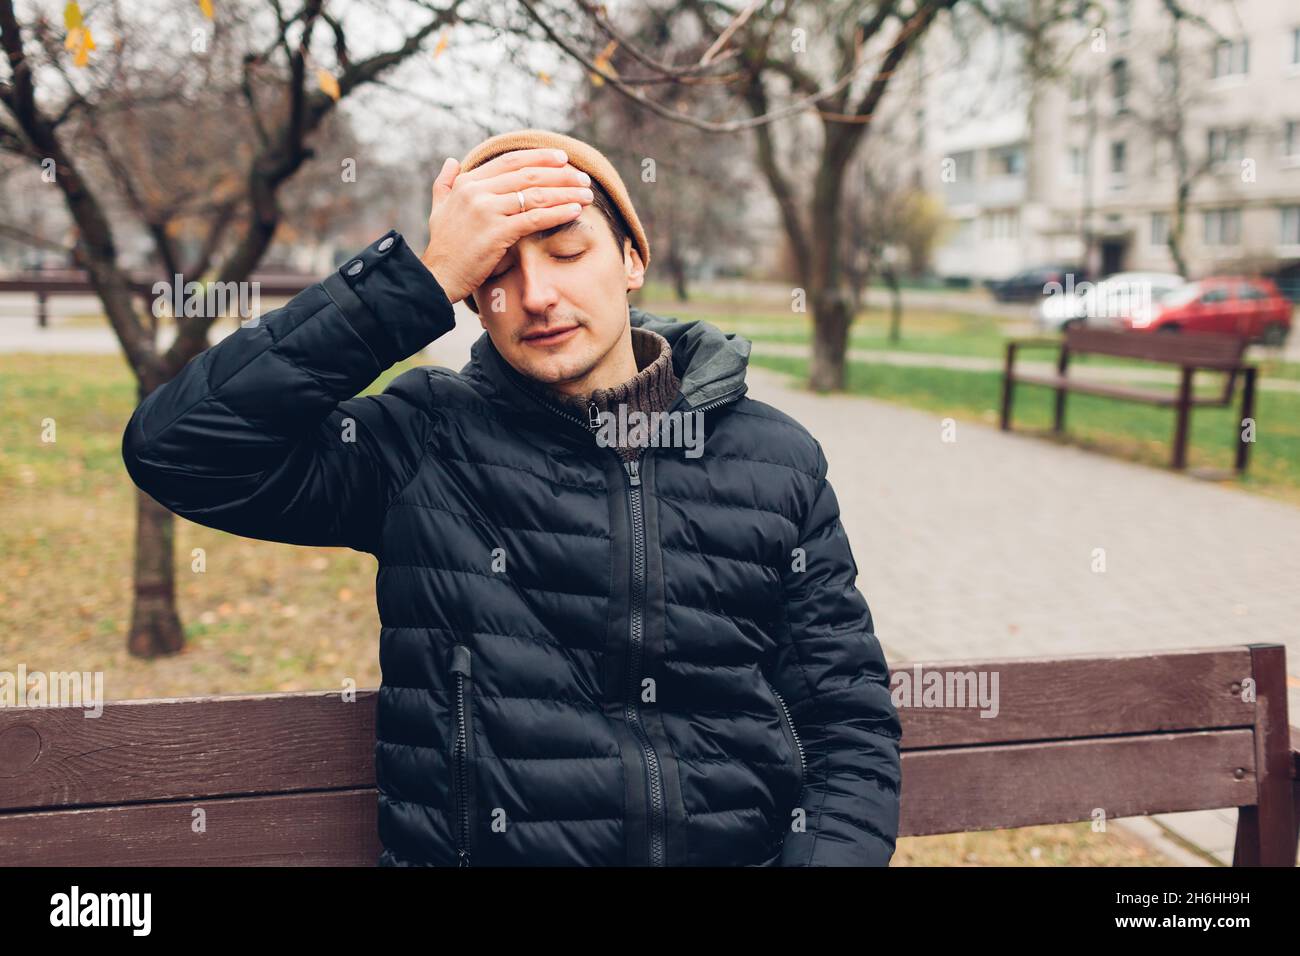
261 435
835 680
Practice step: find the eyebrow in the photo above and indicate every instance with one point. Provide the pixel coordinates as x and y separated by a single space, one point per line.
556 230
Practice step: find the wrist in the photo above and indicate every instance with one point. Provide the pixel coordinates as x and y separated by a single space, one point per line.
453 292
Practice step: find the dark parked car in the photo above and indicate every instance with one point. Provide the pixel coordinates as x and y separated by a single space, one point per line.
1030 284
1235 305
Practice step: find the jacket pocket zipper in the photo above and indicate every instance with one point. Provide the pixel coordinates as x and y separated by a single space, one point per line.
794 734
461 756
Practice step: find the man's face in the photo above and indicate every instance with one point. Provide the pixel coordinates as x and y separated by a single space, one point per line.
555 306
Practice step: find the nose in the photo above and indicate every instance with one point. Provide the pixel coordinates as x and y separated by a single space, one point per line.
538 294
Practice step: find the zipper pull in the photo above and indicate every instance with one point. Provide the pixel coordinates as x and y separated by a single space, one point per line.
460 659
593 416
462 858
633 469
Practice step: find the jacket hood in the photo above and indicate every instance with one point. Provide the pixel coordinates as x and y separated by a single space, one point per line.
709 362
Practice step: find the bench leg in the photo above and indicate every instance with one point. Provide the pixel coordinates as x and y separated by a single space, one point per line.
1008 386
1062 363
1247 411
1266 830
1180 427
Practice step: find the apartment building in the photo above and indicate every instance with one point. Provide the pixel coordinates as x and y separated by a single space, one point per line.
1086 168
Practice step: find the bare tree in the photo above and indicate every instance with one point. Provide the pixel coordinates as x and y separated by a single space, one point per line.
255 100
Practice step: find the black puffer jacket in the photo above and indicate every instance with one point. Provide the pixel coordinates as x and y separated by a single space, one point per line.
666 663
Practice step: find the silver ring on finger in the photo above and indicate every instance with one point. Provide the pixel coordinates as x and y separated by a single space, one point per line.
520 196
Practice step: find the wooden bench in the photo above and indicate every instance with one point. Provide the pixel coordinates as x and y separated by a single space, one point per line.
1220 353
289 778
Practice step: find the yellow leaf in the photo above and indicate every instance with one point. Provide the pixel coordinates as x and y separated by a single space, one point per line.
441 45
72 16
206 7
328 84
73 39
544 77
602 63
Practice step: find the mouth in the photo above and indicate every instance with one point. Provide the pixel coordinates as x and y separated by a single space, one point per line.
551 336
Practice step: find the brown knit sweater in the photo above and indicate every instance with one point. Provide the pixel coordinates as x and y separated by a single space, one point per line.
652 389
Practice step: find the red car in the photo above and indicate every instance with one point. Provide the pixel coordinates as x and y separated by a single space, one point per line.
1233 305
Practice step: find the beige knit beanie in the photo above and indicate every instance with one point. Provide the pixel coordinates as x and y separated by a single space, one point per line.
581 156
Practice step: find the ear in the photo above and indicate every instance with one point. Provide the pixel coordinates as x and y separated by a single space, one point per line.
633 266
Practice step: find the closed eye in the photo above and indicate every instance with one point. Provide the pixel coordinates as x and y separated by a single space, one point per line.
569 258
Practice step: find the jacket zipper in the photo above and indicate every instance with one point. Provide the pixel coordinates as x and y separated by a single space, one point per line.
636 642
803 768
636 625
460 658
789 721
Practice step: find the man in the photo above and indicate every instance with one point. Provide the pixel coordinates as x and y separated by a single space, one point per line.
597 647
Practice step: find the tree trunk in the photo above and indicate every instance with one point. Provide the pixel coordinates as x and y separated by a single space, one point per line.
831 317
155 625
677 268
895 304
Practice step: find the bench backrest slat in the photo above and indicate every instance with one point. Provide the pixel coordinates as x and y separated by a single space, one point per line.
1199 350
1026 784
1083 696
167 749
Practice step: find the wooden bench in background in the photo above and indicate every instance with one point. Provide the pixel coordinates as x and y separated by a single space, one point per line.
1190 352
287 779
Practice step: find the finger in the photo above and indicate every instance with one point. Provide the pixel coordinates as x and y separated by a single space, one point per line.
536 176
507 204
446 176
517 159
544 217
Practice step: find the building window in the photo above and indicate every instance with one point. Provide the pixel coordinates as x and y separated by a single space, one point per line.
1222 227
1160 229
1231 58
1007 161
963 166
1295 47
964 234
1290 226
1291 139
1225 145
1078 161
1001 224
1118 158
1080 93
1119 84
